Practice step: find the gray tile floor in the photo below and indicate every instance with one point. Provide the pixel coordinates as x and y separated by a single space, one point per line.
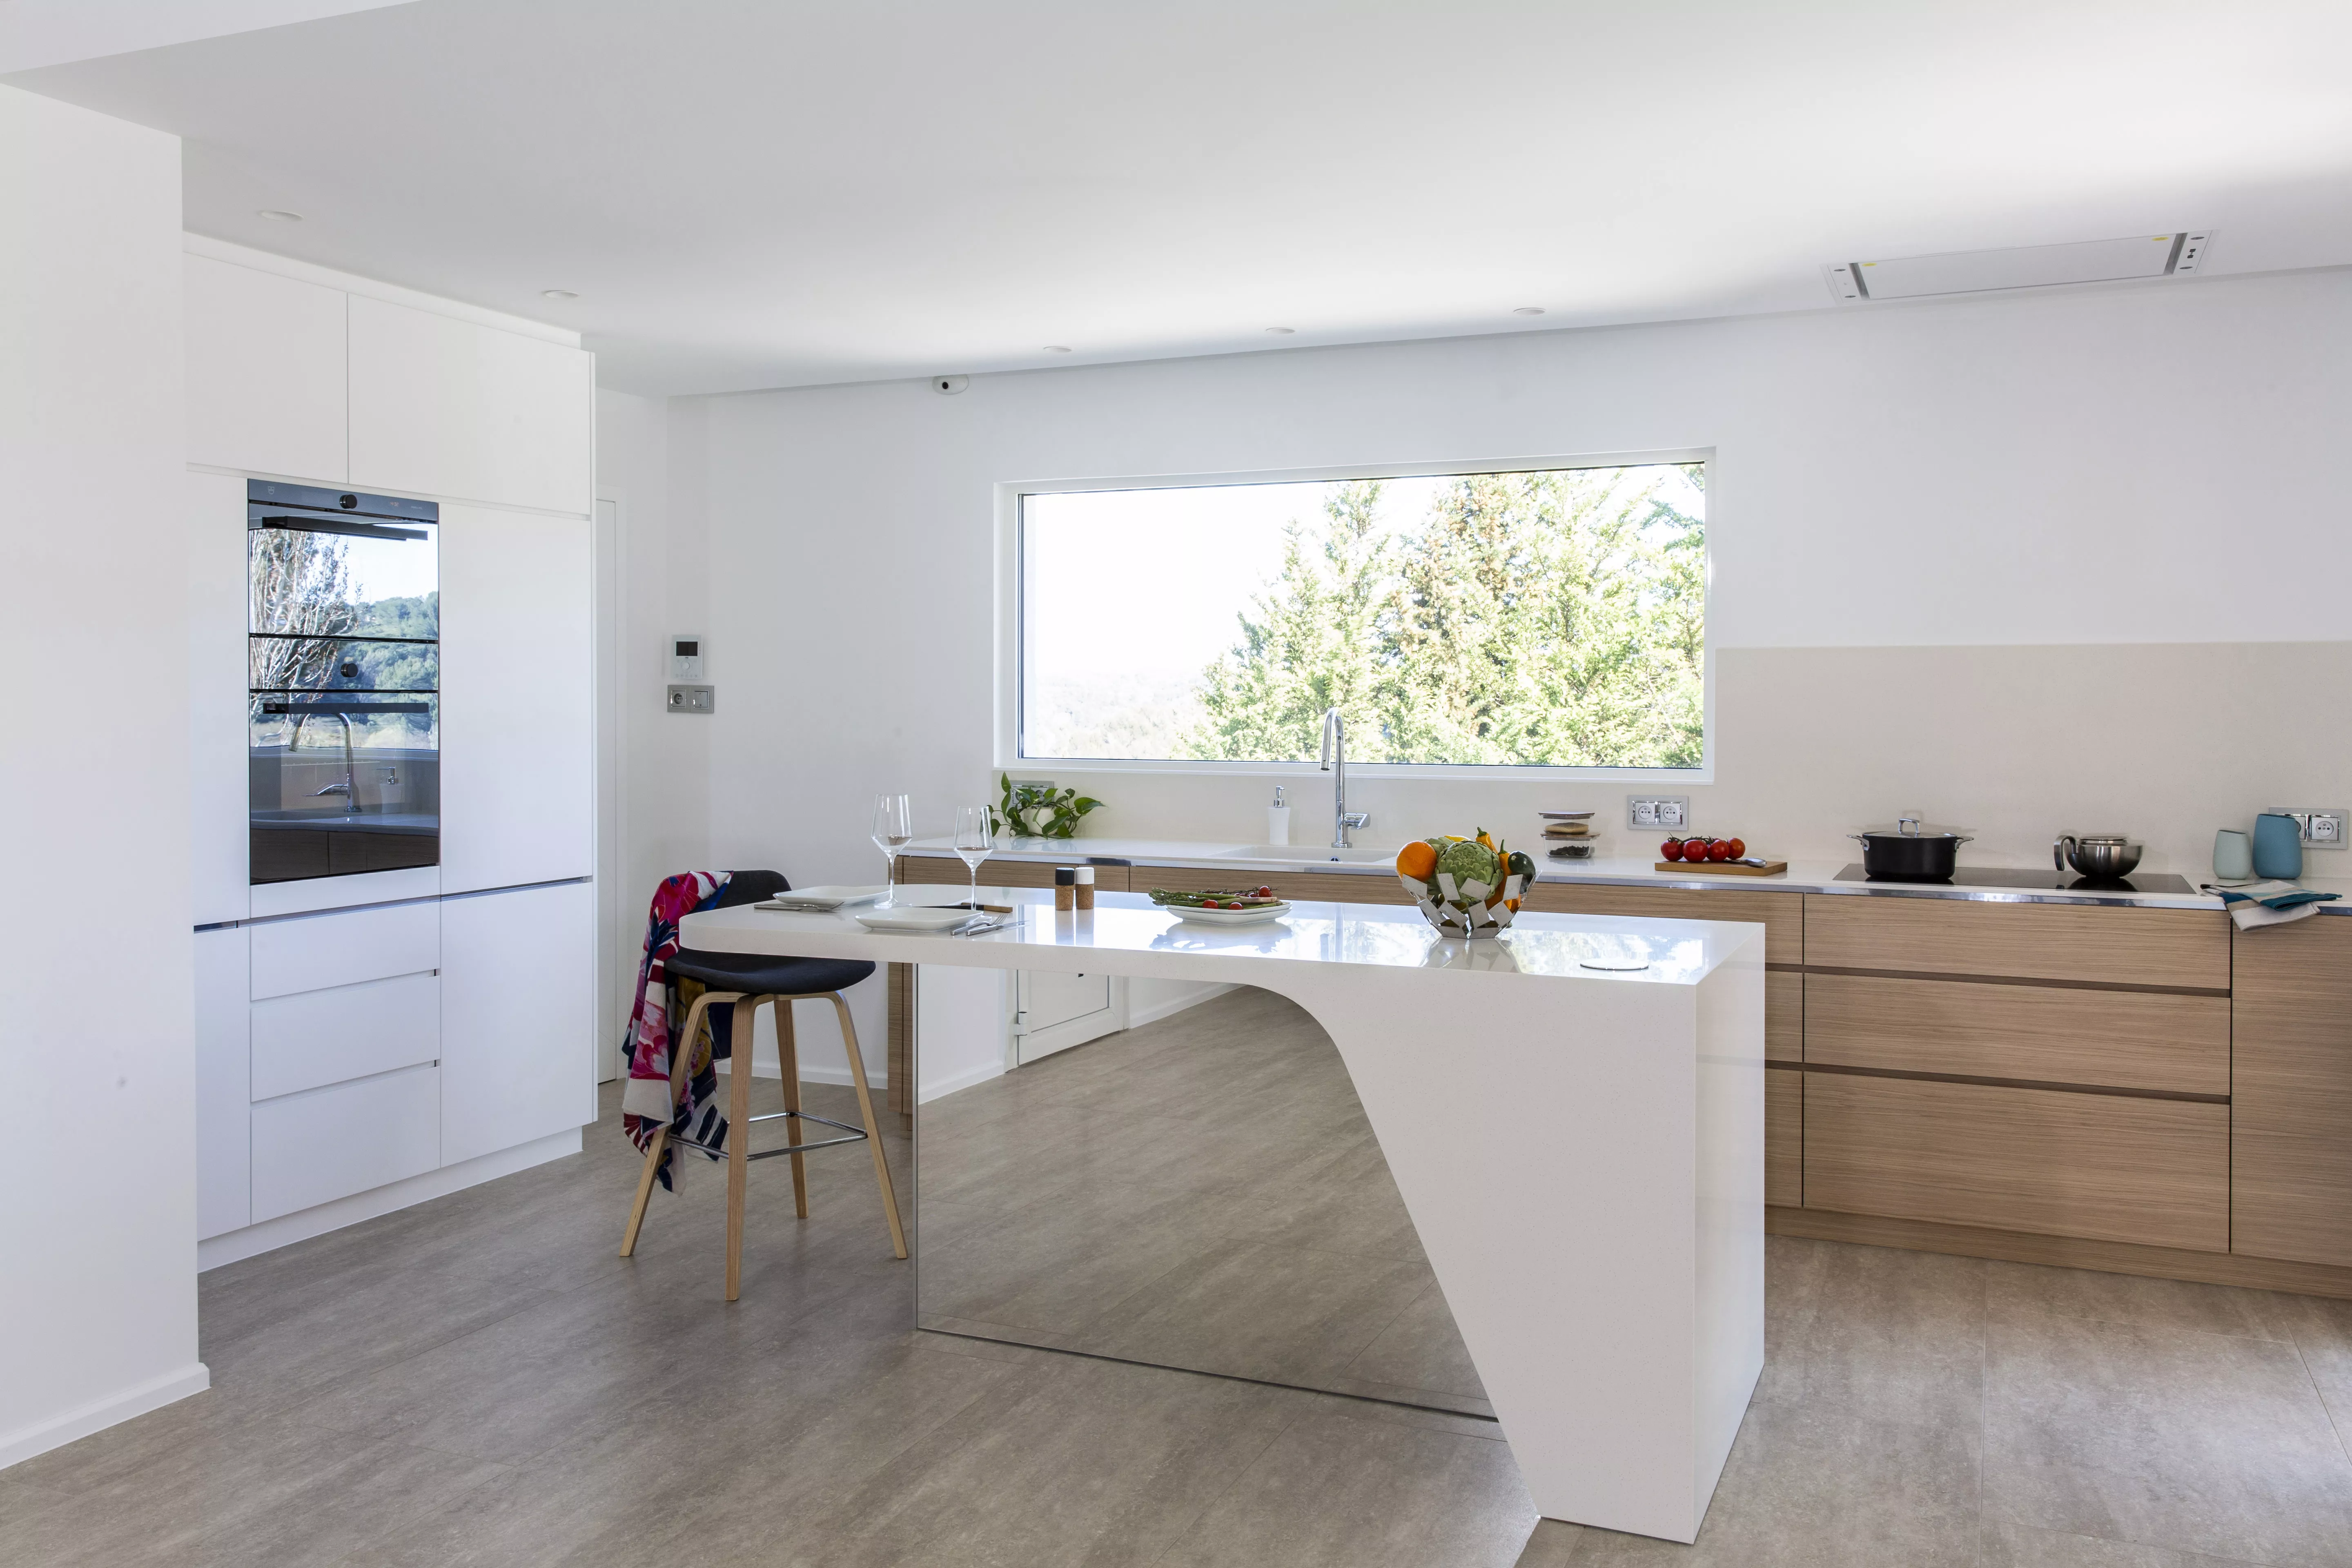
479 1381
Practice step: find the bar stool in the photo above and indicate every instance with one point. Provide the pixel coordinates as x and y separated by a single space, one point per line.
747 980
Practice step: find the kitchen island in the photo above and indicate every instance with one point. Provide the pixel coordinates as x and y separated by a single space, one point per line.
1573 1115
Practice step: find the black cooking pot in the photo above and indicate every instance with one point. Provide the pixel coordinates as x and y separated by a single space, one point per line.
1910 851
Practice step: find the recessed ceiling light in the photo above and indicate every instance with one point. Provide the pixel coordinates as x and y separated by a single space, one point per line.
1057 348
278 215
1280 331
1527 309
559 295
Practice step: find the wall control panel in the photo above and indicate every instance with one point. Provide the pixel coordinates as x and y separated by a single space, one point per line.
687 652
692 699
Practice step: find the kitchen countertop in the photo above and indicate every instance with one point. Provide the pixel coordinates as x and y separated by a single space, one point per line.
1802 876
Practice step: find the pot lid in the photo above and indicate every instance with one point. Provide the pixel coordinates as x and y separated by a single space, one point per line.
1911 827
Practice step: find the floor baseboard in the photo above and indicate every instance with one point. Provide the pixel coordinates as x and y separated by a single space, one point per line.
99 1414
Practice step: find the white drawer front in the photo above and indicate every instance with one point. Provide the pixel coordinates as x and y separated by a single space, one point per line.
310 1149
318 951
319 1038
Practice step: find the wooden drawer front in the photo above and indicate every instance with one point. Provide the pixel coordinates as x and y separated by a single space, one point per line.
2102 1166
1780 914
928 868
2292 1154
2089 943
1784 1014
2118 1039
310 1149
319 1038
1784 1137
1305 886
318 951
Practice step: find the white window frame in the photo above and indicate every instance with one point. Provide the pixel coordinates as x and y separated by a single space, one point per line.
1009 611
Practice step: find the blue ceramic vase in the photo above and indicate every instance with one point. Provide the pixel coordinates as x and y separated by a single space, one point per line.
2278 847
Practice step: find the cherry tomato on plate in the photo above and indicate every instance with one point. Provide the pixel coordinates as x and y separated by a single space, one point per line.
1265 892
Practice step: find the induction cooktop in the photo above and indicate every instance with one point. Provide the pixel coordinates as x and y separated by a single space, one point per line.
2051 881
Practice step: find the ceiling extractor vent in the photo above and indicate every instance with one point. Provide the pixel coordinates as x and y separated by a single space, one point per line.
2022 266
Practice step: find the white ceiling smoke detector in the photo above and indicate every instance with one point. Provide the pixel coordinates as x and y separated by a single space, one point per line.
2019 267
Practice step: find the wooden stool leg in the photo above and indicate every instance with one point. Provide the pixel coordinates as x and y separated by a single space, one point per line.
645 1191
680 1052
788 1061
872 1133
739 1138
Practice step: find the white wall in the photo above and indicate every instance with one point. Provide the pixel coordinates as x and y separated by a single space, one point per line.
98 1228
2078 473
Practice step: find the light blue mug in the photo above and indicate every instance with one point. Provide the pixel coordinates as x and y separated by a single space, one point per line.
2233 856
2278 847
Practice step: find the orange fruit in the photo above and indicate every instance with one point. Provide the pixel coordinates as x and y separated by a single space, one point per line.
1417 860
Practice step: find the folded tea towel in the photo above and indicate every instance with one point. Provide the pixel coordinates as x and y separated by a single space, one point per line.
645 1103
2252 904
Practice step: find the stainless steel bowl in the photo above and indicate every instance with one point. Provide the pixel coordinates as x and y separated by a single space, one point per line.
2102 857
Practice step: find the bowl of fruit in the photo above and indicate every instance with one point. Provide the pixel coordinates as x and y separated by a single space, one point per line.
1465 887
1223 906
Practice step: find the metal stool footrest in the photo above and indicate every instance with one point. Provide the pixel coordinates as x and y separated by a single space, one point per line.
856 1136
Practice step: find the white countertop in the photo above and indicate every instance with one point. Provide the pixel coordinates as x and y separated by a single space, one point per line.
1380 936
1802 876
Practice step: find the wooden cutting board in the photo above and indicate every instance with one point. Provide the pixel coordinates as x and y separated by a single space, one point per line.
1725 867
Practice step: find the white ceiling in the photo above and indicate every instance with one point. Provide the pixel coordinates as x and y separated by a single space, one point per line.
748 194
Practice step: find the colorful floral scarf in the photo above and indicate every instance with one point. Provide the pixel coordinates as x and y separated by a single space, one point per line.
645 1103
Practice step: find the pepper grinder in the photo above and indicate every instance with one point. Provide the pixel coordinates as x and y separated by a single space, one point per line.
1066 888
1085 888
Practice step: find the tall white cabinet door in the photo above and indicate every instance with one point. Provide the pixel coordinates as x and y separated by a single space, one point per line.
266 373
445 407
518 694
518 1018
224 1084
216 693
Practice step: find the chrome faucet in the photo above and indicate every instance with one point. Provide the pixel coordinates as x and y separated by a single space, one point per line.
350 788
1335 763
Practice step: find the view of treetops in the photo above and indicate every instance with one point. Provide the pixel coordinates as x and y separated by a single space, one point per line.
317 607
1547 618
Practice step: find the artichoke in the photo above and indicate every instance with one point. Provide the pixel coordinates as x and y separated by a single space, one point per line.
1467 861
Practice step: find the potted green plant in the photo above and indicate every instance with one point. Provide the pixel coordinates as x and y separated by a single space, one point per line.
1041 811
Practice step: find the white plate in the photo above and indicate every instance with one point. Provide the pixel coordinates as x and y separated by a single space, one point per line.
915 918
807 898
1258 916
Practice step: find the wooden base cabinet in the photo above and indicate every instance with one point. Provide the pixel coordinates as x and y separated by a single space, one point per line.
2107 1167
2291 1158
1784 1137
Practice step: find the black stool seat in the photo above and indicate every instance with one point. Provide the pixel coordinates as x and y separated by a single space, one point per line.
764 975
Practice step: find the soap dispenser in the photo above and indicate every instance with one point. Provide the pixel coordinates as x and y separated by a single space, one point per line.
1278 819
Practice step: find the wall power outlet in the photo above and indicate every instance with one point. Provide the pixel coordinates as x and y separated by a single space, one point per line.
1657 811
2324 827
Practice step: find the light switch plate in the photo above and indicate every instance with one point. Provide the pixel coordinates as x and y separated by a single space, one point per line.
2324 827
700 700
1657 811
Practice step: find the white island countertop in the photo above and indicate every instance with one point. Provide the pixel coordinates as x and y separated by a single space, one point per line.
1573 1111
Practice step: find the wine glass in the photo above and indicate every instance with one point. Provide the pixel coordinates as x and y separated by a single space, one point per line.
893 831
973 841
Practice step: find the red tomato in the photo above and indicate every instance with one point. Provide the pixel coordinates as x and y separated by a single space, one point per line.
1693 849
1738 848
1671 849
1265 892
1720 851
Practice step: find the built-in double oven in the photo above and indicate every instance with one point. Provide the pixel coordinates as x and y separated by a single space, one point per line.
343 665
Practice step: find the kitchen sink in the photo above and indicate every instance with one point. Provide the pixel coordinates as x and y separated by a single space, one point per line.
1307 855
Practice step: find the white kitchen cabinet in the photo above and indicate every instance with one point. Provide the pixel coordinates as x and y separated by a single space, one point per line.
1058 1011
217 789
517 684
450 408
328 1144
345 947
224 1114
518 1018
318 1037
266 373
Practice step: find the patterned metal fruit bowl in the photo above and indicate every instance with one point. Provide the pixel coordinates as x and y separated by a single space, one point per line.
1465 887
